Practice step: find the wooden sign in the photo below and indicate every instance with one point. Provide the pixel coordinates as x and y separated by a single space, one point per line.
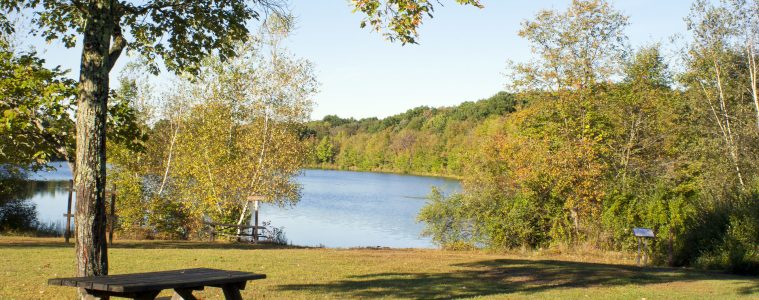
256 198
643 232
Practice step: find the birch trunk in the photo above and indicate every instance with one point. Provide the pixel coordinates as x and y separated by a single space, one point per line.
752 69
261 156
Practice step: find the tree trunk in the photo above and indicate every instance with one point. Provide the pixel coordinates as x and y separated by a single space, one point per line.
752 70
671 248
90 176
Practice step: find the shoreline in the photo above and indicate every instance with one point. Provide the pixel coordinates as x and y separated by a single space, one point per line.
63 167
431 175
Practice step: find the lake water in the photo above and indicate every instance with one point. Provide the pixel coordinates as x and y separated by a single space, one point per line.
337 208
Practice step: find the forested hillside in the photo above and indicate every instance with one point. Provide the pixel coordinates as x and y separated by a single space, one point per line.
423 140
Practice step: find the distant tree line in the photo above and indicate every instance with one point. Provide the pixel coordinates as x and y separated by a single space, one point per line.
423 140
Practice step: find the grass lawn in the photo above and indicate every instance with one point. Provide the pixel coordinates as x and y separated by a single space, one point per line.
293 273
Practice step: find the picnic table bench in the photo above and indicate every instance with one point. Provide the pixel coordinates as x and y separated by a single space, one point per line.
257 232
149 285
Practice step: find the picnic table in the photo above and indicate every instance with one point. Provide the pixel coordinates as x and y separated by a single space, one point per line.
149 285
257 232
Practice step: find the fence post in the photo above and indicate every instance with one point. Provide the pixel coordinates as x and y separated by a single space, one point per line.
113 215
67 235
255 229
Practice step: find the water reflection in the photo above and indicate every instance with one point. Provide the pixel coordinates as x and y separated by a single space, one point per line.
349 209
338 208
18 208
51 201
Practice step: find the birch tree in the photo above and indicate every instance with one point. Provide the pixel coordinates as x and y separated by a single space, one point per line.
723 73
233 131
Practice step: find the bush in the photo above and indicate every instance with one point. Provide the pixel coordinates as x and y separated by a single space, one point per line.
446 218
18 215
729 238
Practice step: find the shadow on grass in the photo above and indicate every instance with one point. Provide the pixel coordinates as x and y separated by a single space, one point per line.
501 276
147 244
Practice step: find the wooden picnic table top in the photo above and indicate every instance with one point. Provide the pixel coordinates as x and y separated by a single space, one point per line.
156 281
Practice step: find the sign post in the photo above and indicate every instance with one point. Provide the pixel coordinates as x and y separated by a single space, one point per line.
643 235
256 199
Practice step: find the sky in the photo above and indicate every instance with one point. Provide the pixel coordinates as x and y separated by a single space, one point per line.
461 55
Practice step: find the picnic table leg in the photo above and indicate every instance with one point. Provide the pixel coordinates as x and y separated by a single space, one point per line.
93 297
183 294
232 291
147 295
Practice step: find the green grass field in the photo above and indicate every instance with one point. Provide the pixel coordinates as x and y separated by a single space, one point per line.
297 273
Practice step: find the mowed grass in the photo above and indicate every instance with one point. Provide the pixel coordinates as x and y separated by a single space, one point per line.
301 273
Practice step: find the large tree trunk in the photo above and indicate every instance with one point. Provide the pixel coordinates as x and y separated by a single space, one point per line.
90 176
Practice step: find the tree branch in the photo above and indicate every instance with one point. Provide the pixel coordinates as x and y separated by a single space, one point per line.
141 10
79 6
119 43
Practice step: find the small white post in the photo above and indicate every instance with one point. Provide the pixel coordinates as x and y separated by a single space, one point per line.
255 229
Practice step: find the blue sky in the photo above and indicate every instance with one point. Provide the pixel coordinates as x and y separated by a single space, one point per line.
461 56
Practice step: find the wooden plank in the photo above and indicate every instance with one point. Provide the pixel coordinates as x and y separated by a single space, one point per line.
101 278
105 282
185 278
74 281
54 281
182 283
137 280
144 282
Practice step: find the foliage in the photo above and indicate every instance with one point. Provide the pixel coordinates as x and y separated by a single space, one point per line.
181 35
231 132
325 152
725 236
446 218
399 19
37 104
35 126
576 48
422 140
16 214
606 143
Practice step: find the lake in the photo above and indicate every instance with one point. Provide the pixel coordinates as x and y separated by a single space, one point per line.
337 209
